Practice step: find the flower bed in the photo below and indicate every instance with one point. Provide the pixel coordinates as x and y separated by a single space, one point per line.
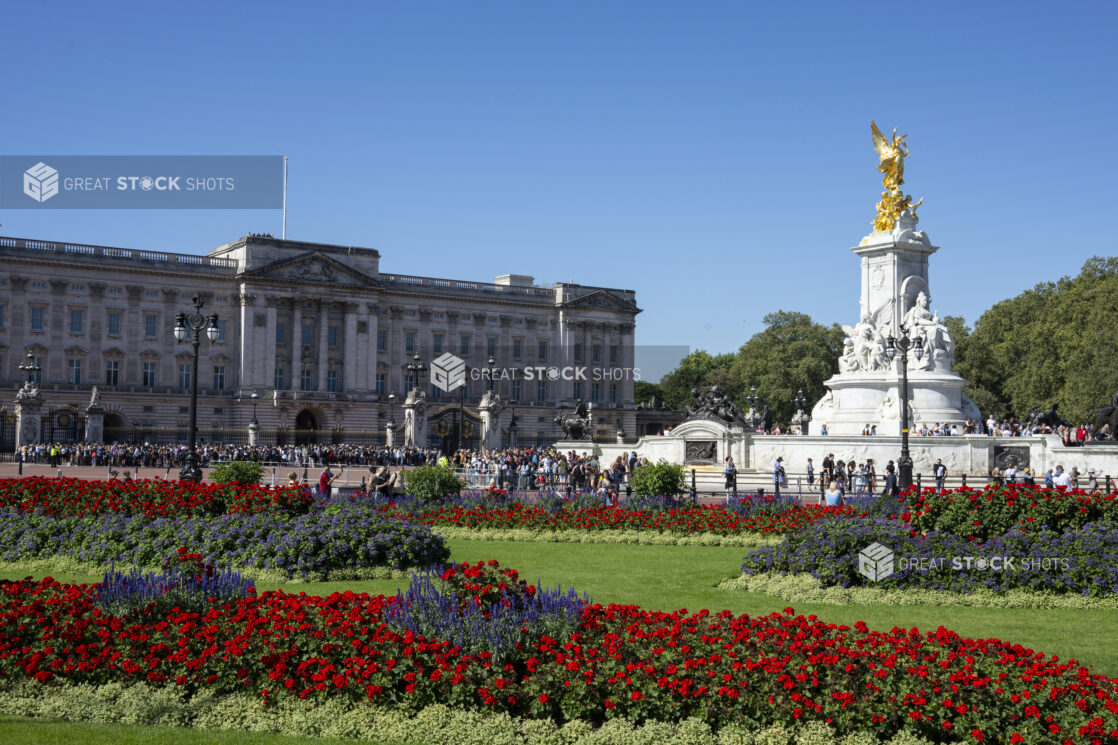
324 542
79 498
622 662
682 520
1082 562
996 510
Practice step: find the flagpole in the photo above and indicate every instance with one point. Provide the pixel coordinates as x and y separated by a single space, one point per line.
284 233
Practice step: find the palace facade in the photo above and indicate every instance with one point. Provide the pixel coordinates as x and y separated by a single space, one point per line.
317 332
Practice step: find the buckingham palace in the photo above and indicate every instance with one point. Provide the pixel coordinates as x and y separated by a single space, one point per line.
313 342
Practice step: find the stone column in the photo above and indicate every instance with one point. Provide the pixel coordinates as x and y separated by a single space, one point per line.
415 418
29 408
97 331
490 412
94 418
349 348
252 357
253 432
133 336
395 351
323 342
296 343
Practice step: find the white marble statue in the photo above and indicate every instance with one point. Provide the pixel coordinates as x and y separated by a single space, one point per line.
925 328
864 347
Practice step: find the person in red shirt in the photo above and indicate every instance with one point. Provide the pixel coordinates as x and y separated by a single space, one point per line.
325 481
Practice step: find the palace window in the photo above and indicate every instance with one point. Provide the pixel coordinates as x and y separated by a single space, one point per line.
381 384
543 351
149 374
332 381
437 344
114 324
517 348
578 389
332 336
77 318
613 393
74 370
613 354
382 340
219 377
516 390
112 372
37 319
151 325
306 380
308 335
184 375
541 390
279 381
464 345
409 342
222 328
491 347
281 333
595 392
595 353
578 351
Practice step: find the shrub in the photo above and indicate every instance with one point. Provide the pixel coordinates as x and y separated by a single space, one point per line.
433 483
658 479
236 472
1080 562
339 539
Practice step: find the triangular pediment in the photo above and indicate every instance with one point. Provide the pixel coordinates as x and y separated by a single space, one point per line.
601 299
314 266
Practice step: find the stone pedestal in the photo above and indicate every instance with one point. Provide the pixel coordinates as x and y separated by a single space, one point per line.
390 434
490 412
415 419
29 408
253 433
894 302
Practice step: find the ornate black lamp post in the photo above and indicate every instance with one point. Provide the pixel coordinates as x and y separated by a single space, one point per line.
801 418
903 345
491 370
32 369
391 410
255 398
753 417
192 325
415 368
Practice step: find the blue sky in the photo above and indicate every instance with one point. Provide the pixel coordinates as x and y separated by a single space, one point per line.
715 157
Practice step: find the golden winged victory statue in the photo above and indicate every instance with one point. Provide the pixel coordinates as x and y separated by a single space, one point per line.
893 201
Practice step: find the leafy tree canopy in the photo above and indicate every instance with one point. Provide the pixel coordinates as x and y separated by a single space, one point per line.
1054 343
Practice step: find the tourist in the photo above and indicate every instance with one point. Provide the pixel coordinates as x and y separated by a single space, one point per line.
823 430
892 489
730 472
325 482
1092 481
939 471
778 475
1011 474
871 475
1048 480
1075 477
810 473
293 479
833 496
1061 479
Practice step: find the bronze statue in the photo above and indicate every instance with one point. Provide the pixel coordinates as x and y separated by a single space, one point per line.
576 424
1107 417
714 404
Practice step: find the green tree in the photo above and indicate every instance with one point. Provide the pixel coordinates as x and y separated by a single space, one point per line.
1052 344
643 391
792 353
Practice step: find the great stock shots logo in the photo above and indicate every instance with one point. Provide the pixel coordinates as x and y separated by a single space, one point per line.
875 562
40 182
448 372
128 182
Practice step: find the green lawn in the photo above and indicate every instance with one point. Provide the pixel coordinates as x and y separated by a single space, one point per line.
58 732
663 578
